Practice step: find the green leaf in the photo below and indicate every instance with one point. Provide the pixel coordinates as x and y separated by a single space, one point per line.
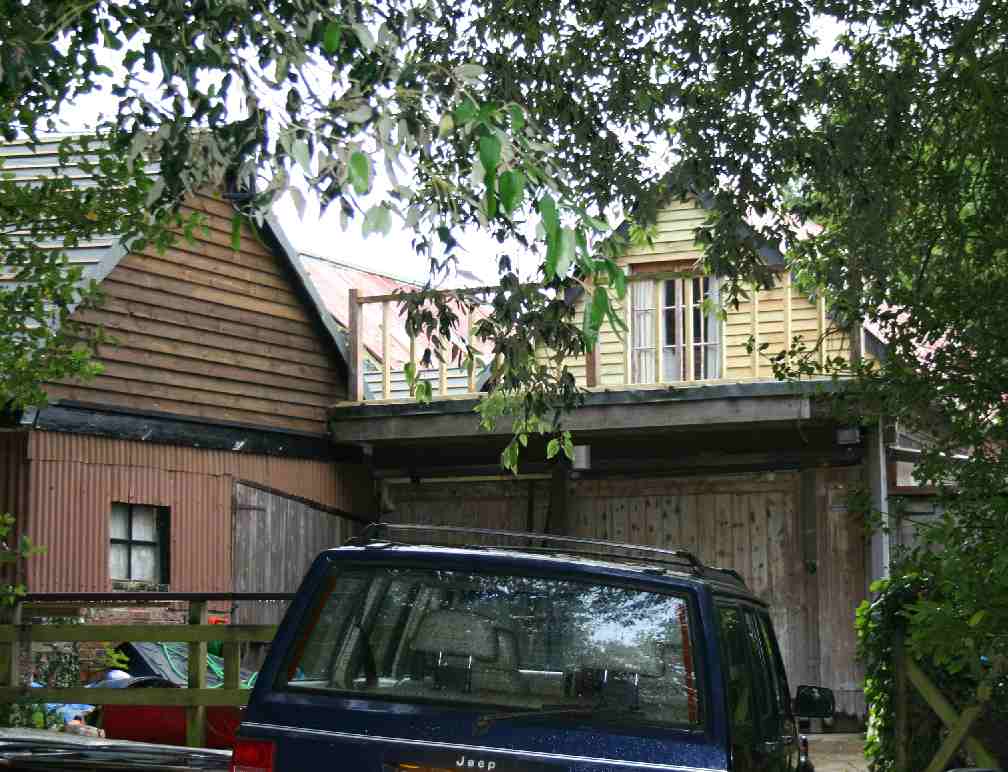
465 111
359 167
977 618
512 190
378 219
517 118
599 307
468 72
552 448
332 37
301 154
489 153
548 210
565 251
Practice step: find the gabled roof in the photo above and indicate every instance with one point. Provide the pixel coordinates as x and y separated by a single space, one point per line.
98 256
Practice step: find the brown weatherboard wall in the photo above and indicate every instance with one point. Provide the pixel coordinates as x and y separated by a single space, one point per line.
74 479
808 564
208 332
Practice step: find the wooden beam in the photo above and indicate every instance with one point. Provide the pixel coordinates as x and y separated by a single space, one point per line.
687 301
754 316
471 361
356 364
386 364
10 655
946 712
196 714
954 738
628 338
558 516
656 301
166 696
232 664
821 326
142 633
788 304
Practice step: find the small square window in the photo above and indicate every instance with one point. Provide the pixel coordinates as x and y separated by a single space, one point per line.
138 543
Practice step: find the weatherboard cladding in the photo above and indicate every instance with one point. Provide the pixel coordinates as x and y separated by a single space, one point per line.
205 331
74 479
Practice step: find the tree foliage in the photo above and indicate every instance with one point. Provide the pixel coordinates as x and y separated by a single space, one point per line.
534 118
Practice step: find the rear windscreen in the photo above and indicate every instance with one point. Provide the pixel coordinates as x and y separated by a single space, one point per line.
603 652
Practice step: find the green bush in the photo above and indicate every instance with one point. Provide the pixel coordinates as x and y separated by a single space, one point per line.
900 610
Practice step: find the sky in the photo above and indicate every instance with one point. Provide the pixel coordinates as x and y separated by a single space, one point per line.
392 254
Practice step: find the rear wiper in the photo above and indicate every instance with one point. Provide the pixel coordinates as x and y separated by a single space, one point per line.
599 709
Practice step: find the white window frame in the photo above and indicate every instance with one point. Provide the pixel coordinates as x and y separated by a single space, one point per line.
707 330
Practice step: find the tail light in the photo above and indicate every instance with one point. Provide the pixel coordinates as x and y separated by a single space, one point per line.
252 756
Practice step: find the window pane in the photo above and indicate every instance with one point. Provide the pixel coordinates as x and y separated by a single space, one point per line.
671 364
670 325
528 642
643 295
144 563
670 288
738 673
698 329
144 523
117 561
119 525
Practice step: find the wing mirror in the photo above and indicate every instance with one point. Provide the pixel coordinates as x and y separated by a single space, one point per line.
814 702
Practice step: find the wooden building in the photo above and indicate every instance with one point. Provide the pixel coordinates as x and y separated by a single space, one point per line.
217 375
684 440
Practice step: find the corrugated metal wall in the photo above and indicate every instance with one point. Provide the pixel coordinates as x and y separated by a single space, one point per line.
13 488
74 479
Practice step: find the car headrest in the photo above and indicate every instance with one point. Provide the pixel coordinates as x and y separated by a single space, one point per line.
457 633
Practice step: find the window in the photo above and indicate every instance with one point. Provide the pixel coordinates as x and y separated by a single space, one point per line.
606 654
138 549
681 304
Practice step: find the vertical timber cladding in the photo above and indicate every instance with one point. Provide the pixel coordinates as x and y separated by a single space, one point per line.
276 538
809 565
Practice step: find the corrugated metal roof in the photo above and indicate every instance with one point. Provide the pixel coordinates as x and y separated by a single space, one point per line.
334 279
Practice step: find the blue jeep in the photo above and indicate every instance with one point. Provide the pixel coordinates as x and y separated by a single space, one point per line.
558 654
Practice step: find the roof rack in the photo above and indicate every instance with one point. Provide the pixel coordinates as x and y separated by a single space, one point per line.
381 532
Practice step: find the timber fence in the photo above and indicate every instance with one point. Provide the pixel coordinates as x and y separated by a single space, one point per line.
15 635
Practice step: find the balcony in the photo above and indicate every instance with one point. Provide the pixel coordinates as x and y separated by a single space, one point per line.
674 340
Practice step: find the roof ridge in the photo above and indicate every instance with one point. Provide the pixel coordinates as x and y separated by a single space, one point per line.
358 267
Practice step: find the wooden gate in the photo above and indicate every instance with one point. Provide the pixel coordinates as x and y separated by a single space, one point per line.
276 538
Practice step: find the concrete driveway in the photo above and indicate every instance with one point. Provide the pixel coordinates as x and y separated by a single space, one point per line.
837 752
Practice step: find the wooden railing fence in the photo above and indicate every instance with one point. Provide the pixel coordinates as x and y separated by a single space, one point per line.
15 634
959 723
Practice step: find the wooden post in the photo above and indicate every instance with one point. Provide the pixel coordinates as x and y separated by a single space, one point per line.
628 336
558 518
658 314
232 664
901 704
196 715
356 363
947 713
412 359
386 364
754 310
788 327
444 350
10 654
471 364
687 301
821 326
876 468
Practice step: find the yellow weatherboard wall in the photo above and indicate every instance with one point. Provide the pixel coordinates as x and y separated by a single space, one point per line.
767 314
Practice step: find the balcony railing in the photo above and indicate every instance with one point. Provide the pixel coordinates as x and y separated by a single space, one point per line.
672 351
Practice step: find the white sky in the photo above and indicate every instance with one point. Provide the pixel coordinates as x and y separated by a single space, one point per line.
392 254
